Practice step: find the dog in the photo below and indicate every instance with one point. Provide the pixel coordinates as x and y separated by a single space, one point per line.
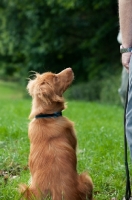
52 159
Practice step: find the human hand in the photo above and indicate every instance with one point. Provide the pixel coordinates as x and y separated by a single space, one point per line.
126 59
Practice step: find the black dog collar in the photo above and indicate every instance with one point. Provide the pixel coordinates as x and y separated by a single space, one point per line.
56 114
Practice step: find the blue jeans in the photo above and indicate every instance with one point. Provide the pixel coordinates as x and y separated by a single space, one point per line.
129 110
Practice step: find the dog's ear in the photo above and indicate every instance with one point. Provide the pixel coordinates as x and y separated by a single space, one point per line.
47 94
30 87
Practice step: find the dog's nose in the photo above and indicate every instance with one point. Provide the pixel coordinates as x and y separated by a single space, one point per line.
69 69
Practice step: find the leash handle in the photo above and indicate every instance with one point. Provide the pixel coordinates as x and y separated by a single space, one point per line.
128 188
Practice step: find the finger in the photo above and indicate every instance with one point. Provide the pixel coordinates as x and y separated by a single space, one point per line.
126 59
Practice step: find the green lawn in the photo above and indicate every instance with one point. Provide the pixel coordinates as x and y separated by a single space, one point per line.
100 144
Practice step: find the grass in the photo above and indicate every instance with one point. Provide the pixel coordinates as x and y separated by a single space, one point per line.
100 144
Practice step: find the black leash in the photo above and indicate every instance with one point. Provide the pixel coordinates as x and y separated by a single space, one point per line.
128 188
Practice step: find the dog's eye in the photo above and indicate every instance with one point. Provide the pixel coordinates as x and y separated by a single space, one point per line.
42 83
55 79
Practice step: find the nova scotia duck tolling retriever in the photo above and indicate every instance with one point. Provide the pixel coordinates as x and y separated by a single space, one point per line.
52 158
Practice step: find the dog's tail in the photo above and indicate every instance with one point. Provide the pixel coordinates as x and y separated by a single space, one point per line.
26 192
85 186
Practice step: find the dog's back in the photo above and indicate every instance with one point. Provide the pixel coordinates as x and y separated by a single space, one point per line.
53 142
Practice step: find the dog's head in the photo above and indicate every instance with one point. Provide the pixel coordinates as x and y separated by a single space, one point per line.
49 87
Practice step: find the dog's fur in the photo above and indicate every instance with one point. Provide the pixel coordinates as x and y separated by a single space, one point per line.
52 159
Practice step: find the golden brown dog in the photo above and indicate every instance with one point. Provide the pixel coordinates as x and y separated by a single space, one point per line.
52 159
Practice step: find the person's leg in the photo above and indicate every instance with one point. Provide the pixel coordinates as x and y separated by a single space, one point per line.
129 110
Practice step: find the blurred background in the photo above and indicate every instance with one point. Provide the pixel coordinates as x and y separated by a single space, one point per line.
50 35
